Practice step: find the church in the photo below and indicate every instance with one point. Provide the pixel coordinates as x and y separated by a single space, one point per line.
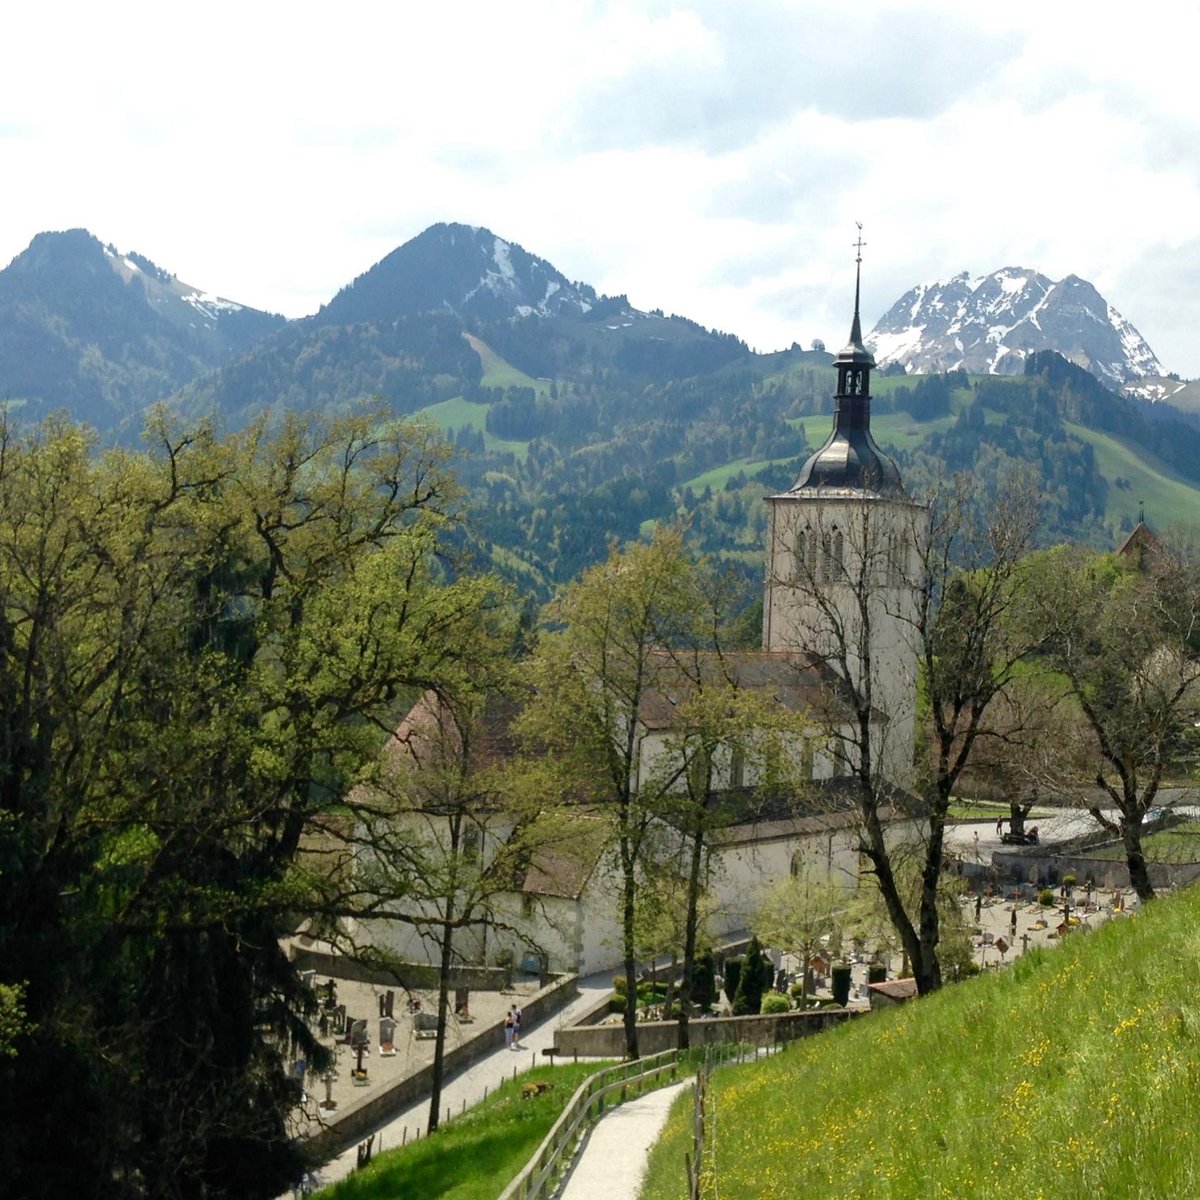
843 555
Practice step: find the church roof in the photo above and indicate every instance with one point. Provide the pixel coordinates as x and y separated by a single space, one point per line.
850 462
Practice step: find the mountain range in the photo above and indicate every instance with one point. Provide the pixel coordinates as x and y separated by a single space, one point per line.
580 418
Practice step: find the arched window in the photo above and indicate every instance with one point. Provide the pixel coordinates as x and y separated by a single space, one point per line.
827 556
838 547
801 539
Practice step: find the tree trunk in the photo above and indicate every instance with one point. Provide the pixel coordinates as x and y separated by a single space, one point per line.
443 1004
628 912
1139 873
927 969
689 935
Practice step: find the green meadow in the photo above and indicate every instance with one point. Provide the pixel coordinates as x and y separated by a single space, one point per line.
473 1156
1072 1073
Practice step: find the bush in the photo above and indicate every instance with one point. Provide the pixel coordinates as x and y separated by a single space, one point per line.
841 984
1046 897
775 1002
733 976
755 976
796 990
620 984
1069 881
704 980
616 1003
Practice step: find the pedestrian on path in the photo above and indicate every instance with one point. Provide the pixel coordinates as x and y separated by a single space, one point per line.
516 1039
509 1030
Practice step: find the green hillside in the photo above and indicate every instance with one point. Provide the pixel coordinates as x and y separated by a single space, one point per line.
1072 1073
1169 500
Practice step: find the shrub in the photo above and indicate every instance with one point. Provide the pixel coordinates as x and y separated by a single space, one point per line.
1046 897
796 990
775 1002
755 977
704 980
616 1003
733 976
841 983
620 984
1069 881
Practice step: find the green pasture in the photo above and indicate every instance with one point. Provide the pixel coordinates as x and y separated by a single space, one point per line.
1074 1072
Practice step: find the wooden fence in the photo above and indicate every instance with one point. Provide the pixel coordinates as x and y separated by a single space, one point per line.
606 1089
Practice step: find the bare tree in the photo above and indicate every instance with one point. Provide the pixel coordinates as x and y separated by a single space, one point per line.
877 586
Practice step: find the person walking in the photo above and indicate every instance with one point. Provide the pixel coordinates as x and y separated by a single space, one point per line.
516 1041
509 1030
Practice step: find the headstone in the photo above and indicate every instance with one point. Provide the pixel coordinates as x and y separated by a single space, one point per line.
382 1005
339 1018
309 979
387 1037
358 1033
389 1008
462 1002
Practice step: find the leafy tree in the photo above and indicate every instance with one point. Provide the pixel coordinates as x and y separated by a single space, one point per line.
435 836
1124 642
593 670
198 646
802 914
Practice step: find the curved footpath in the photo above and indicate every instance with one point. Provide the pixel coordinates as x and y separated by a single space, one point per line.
612 1161
470 1086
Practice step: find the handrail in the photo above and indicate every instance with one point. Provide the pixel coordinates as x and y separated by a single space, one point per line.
538 1178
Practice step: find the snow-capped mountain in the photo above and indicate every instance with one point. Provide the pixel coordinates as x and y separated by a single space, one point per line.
462 269
101 333
988 324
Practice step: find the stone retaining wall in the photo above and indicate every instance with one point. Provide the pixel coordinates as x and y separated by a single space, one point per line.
608 1041
353 1123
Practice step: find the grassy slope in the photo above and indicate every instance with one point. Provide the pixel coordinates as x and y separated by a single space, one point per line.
1169 500
1073 1073
457 413
475 1155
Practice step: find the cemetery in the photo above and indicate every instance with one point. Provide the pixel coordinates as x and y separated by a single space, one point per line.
383 1035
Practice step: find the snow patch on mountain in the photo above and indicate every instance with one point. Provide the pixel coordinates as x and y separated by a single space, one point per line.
989 324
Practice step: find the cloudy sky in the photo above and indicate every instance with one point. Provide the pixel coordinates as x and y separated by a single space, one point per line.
707 157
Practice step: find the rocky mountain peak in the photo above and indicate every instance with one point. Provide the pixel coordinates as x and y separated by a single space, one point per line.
464 269
989 324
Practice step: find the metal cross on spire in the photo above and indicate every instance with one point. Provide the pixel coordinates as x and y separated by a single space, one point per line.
856 334
860 243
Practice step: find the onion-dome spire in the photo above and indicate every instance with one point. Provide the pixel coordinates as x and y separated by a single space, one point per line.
850 458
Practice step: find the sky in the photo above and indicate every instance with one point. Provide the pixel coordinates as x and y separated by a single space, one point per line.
706 157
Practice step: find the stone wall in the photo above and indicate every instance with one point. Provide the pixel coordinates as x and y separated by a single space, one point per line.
608 1041
418 976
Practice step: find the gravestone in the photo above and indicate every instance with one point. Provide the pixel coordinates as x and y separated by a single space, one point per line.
358 1033
339 1019
462 1003
387 1037
425 1025
389 1008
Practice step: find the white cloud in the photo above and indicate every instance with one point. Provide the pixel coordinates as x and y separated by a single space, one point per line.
705 158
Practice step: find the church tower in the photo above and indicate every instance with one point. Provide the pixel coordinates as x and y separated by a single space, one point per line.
843 563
